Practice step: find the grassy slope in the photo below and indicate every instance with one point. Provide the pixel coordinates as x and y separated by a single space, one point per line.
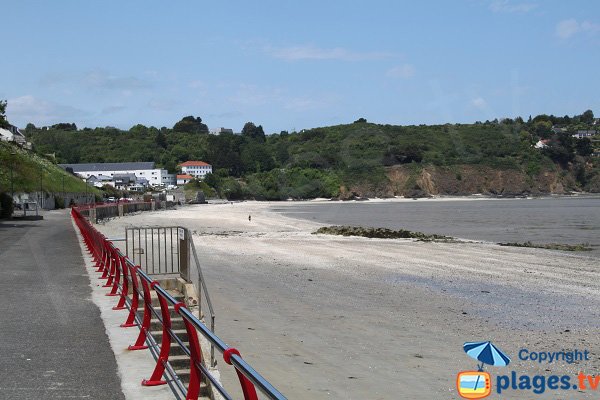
29 170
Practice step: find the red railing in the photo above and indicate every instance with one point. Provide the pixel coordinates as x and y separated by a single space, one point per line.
124 280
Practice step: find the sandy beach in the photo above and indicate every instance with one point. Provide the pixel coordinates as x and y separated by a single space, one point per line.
329 317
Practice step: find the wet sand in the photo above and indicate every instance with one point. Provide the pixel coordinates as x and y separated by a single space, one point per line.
327 317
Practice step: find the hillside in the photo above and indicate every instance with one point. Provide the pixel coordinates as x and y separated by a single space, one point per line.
356 160
32 173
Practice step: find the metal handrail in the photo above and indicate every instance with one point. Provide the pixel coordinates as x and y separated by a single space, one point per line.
101 249
202 288
239 363
173 301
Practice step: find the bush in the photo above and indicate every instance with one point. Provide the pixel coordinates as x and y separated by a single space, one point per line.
6 205
59 202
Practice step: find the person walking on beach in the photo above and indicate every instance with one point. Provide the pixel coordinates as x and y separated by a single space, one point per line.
250 218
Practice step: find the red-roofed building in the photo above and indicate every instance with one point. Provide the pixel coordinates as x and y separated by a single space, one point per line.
183 179
198 169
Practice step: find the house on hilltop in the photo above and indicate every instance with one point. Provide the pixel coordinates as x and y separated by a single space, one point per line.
218 131
197 169
584 133
13 134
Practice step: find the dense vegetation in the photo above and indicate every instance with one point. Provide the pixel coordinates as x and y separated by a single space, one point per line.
24 171
3 121
326 162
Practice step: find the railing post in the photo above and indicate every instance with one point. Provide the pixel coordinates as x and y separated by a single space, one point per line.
107 263
124 285
117 273
113 265
193 390
135 297
145 328
183 237
247 386
165 346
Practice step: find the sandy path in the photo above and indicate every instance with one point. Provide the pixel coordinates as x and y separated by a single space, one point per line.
356 318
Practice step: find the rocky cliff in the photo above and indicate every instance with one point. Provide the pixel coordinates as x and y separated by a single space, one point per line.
462 180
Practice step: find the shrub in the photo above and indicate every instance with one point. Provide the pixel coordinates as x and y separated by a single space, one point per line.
6 205
59 202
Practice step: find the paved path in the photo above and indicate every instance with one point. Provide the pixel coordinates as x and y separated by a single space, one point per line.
53 344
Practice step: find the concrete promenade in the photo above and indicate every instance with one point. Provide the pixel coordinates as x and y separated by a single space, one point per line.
53 343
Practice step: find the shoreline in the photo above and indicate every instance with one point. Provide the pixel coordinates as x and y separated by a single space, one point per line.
312 311
474 196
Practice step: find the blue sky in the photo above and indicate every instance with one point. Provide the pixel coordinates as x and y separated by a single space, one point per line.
290 65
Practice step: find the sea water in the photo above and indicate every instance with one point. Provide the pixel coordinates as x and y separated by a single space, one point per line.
556 219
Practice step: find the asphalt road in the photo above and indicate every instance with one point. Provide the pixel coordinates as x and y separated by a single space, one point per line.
53 344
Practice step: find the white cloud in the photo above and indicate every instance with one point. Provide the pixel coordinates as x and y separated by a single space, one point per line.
163 104
404 71
96 80
568 28
479 102
50 79
309 52
306 103
197 84
506 6
113 109
225 115
253 95
104 80
41 112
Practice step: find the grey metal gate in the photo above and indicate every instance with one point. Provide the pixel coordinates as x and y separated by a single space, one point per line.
159 250
169 251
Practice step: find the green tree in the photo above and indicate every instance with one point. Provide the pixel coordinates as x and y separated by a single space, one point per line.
583 147
224 152
212 180
561 148
587 117
255 158
138 129
3 121
161 140
30 129
542 128
231 189
252 131
191 125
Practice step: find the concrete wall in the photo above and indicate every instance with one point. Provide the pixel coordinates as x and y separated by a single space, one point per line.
47 201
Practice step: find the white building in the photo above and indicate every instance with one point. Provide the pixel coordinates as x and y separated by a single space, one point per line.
218 131
183 179
13 134
197 169
143 171
581 134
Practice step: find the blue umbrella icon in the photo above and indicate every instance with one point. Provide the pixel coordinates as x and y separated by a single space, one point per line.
487 353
